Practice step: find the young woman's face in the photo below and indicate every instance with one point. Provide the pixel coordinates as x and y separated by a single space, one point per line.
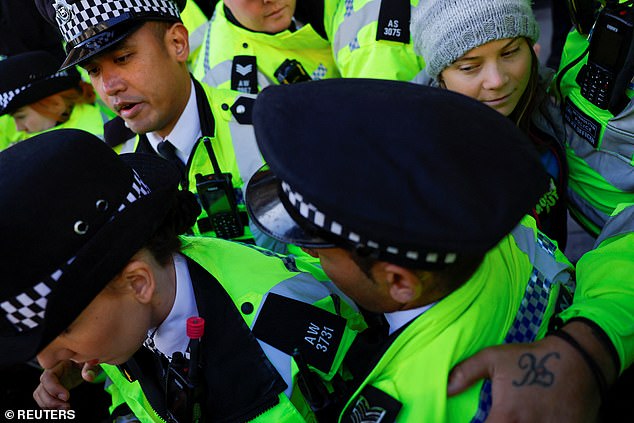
31 121
496 73
269 16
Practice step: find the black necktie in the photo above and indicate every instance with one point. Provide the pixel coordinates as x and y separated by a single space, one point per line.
167 150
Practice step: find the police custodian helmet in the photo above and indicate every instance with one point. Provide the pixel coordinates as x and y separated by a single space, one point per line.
91 26
408 174
58 256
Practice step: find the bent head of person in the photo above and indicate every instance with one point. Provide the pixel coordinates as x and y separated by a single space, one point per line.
87 249
400 214
483 49
136 56
270 17
37 94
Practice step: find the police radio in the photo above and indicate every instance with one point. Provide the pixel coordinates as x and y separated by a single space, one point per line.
184 386
290 72
610 67
216 195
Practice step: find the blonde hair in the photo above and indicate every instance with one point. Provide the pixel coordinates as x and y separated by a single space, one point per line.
59 106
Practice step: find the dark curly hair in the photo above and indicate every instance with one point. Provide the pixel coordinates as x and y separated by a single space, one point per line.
179 220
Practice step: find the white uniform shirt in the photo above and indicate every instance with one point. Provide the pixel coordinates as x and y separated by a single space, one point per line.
186 131
398 319
171 335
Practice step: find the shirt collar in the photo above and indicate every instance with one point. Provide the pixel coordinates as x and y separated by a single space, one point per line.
398 319
186 132
171 334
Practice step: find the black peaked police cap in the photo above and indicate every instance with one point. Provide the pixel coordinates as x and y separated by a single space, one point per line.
410 174
73 214
89 27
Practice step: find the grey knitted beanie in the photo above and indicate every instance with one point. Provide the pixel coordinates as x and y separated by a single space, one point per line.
444 30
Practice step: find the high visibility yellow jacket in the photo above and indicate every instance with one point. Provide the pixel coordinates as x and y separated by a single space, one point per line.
509 299
88 117
250 276
237 58
604 284
599 145
370 39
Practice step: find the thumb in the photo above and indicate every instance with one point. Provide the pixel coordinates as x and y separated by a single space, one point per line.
468 372
90 370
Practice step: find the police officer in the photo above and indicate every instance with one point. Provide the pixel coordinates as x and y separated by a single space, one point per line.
250 45
102 278
598 122
136 58
371 38
40 98
412 221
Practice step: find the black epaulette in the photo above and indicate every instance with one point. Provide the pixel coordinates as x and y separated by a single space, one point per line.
393 22
242 110
372 405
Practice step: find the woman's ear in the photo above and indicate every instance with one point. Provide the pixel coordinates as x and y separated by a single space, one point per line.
139 278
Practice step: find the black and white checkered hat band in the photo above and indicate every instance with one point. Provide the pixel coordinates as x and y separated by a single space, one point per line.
318 218
82 16
26 310
7 96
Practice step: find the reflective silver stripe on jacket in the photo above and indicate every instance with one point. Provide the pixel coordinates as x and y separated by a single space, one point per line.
196 38
246 150
613 160
530 315
346 33
619 224
579 204
207 45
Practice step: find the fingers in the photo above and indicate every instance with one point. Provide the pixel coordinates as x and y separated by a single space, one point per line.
468 372
90 370
50 393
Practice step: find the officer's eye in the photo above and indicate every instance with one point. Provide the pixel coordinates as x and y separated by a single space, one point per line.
92 70
124 58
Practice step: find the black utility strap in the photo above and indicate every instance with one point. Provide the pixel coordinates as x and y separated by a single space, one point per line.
207 124
206 118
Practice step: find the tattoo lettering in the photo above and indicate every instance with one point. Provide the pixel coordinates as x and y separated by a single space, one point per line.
536 371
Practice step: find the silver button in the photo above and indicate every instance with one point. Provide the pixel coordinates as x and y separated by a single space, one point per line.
81 227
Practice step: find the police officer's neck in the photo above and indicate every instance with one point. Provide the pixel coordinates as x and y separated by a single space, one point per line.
179 104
